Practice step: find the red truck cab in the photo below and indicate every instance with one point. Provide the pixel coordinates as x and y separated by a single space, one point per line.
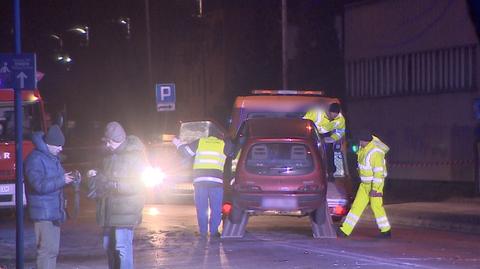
34 119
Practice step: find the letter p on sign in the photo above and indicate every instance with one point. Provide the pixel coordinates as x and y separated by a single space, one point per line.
165 91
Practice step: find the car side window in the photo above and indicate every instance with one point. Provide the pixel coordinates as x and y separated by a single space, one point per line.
317 138
242 135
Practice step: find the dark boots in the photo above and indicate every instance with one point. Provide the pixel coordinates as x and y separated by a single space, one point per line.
385 235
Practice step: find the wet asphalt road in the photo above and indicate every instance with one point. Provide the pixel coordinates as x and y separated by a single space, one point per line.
167 239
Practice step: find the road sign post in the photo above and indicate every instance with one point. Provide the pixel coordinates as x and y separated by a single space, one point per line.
18 71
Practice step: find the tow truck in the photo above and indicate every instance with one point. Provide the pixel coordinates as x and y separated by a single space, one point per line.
274 104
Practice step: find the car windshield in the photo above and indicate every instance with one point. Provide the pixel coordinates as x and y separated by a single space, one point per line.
31 121
279 159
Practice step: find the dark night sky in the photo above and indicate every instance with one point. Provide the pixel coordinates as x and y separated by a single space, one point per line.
113 70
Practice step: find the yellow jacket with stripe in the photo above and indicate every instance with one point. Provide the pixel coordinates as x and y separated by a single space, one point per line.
371 163
209 155
324 125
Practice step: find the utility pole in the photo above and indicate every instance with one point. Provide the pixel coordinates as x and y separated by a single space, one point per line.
284 46
18 147
150 84
149 42
203 23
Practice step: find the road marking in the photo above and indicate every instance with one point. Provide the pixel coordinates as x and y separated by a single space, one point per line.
350 255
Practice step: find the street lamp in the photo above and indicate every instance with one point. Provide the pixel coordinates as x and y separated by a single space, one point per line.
200 8
83 30
59 39
126 22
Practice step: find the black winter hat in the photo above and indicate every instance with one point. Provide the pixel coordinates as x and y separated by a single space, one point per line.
115 132
334 107
362 135
54 136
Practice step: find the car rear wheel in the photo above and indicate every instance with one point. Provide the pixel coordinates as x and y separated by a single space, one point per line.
318 215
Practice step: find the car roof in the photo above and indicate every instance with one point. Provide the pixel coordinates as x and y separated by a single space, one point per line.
279 128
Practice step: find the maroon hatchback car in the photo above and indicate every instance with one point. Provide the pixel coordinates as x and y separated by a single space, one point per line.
281 169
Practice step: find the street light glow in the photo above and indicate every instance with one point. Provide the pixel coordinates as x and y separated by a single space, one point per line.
59 39
83 30
80 30
55 36
126 22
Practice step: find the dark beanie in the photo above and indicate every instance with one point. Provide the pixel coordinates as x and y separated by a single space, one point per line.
115 132
54 136
362 135
334 107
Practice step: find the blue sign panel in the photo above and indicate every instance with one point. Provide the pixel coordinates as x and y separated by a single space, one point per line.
165 95
18 71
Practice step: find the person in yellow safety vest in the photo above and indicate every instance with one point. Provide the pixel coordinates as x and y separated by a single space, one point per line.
331 122
372 171
209 155
331 125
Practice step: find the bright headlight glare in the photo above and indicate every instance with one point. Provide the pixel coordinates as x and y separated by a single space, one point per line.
152 177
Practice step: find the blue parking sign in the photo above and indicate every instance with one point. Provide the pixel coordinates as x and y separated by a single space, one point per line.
18 71
165 96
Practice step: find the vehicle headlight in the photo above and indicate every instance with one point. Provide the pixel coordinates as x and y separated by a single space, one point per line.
152 177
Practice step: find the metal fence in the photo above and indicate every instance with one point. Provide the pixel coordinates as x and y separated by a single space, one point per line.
418 73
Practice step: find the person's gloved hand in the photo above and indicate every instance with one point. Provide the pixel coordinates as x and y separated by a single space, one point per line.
374 193
329 140
68 177
177 142
91 173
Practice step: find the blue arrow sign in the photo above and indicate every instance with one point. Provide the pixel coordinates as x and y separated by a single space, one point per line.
18 71
165 95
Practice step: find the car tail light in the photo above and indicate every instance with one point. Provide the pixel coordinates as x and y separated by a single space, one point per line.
339 210
226 208
308 188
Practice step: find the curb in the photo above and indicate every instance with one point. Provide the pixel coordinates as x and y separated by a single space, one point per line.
453 222
436 223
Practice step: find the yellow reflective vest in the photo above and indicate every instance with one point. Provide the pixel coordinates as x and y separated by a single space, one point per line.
371 162
209 154
325 125
235 162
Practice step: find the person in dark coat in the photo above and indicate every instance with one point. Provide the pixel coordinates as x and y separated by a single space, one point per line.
45 180
118 191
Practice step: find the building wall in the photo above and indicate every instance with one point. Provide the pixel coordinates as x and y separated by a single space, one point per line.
387 27
411 76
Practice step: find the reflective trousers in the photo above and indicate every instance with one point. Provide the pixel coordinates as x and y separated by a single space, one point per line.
360 203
